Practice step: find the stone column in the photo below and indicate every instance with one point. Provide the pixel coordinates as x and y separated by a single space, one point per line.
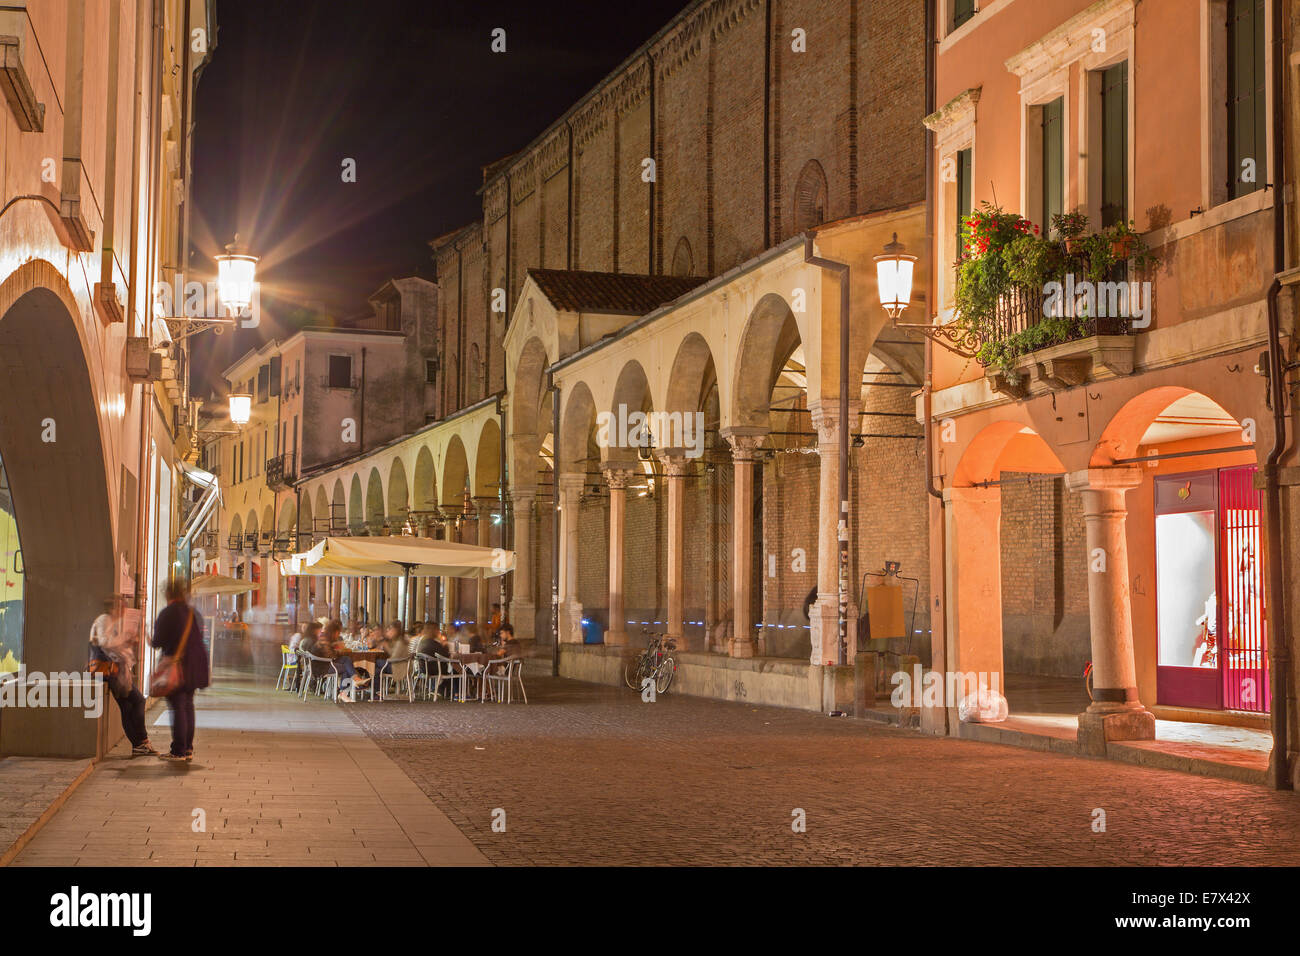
825 613
448 592
676 468
1115 713
483 589
973 607
421 587
523 603
569 488
744 453
616 479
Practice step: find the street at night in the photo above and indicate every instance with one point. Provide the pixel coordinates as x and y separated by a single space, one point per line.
787 436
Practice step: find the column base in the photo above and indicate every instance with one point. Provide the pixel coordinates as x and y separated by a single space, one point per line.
571 623
1103 722
741 647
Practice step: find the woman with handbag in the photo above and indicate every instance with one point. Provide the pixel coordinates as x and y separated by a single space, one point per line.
178 632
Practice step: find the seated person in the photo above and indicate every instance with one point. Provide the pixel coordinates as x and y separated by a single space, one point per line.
506 646
433 642
306 637
330 645
468 634
393 644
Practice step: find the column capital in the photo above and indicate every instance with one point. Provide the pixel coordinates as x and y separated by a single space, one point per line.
745 445
523 497
485 506
1119 478
617 478
826 419
675 464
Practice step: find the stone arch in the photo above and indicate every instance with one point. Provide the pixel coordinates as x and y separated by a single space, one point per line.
683 259
576 445
424 490
60 489
693 373
528 424
236 529
306 520
321 510
375 511
356 506
288 516
487 461
811 202
631 395
771 336
1005 445
399 498
455 474
1127 427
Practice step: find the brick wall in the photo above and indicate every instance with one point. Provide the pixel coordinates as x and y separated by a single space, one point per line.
1044 578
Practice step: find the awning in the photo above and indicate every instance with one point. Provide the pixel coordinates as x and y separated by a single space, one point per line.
397 556
205 585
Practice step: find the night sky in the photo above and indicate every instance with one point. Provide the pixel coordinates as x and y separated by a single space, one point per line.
410 90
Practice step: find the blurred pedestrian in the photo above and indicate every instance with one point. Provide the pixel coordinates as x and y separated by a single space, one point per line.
178 633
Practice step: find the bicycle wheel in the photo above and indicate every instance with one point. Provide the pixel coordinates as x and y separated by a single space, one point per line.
632 671
664 674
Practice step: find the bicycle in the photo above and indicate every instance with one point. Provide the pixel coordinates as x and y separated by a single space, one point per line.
654 663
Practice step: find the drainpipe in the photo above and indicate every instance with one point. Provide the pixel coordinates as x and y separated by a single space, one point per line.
507 526
1279 775
841 269
931 287
555 522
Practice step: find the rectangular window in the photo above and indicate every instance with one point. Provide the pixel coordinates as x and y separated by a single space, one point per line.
340 374
1053 123
962 10
1247 136
1114 144
430 371
964 170
295 444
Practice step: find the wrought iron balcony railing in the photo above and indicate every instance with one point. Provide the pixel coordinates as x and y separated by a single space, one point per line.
280 473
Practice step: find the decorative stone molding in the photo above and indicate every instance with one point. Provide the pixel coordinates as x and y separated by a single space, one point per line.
727 14
554 154
682 45
523 178
1071 40
956 112
617 478
675 466
494 200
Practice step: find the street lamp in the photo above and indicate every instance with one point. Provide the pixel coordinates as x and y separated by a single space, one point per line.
236 275
241 409
894 278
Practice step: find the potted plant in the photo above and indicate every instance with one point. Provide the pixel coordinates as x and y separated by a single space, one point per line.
1071 226
1032 260
1122 240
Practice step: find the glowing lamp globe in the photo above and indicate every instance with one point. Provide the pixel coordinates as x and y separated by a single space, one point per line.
236 276
894 278
241 408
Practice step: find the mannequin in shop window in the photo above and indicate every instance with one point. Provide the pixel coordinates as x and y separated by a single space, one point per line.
1206 651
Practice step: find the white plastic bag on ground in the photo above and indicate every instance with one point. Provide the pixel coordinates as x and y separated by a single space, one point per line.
986 706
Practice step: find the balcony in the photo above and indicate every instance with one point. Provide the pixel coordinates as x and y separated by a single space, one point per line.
1033 346
280 473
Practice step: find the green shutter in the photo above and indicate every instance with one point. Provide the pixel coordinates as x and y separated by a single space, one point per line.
962 10
1114 144
1053 120
1247 128
963 190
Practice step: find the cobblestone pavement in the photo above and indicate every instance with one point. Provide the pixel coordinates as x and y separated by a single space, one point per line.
275 780
591 775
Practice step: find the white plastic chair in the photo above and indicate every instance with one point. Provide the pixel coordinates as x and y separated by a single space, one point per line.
320 676
450 671
501 676
397 674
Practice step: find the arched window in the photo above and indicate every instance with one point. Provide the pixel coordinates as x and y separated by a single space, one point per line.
683 261
810 197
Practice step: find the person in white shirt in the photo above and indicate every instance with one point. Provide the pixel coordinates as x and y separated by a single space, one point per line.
110 641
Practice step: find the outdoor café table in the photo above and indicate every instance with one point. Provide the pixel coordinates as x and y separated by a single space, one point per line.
370 656
475 664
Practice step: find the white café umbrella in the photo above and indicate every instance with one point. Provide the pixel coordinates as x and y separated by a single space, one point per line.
205 585
399 556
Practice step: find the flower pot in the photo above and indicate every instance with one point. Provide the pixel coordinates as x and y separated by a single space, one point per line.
1075 245
1121 248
